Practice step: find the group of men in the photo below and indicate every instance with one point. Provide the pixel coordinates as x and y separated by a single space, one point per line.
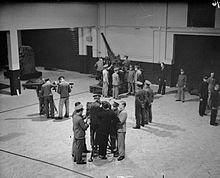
46 101
107 129
209 98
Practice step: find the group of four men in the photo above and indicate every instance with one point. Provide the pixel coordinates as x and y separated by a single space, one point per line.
107 124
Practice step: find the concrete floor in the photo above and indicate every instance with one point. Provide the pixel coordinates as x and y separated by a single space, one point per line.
178 144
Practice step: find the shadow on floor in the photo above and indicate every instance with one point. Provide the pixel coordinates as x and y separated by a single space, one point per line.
158 132
5 92
30 118
167 127
192 100
10 136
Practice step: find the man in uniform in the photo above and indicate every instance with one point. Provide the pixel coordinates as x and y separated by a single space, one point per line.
150 98
130 80
92 113
140 105
64 90
162 80
48 97
181 84
214 100
211 83
79 128
113 131
122 130
203 95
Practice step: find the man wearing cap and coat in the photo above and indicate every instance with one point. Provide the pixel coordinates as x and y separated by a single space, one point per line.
92 113
181 84
79 128
203 95
140 105
150 99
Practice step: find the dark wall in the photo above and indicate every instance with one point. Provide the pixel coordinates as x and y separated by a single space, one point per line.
3 49
57 48
198 55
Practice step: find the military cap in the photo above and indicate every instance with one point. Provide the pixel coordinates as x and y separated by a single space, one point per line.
96 95
147 82
78 107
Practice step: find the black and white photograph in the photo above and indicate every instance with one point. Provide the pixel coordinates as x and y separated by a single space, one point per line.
109 89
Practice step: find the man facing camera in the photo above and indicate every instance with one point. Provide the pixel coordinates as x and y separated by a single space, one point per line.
122 130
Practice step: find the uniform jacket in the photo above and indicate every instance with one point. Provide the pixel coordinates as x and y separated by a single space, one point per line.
46 89
204 90
131 75
64 89
79 127
150 95
162 75
115 79
122 117
94 110
211 83
181 80
107 120
141 98
215 99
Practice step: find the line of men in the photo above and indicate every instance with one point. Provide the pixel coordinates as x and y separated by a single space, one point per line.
46 101
107 124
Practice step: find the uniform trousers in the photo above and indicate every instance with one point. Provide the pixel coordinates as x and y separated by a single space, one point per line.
131 87
141 116
162 86
74 146
150 113
93 137
113 140
213 116
64 101
78 149
49 103
41 105
115 91
105 89
102 142
121 143
181 93
202 107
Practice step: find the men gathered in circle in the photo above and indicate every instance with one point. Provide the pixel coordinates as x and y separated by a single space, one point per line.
122 130
215 102
203 95
150 99
48 98
181 84
140 106
64 90
115 83
162 80
79 128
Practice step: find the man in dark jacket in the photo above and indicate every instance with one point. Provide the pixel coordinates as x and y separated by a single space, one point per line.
150 98
140 103
214 99
203 96
162 80
181 84
107 118
92 113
